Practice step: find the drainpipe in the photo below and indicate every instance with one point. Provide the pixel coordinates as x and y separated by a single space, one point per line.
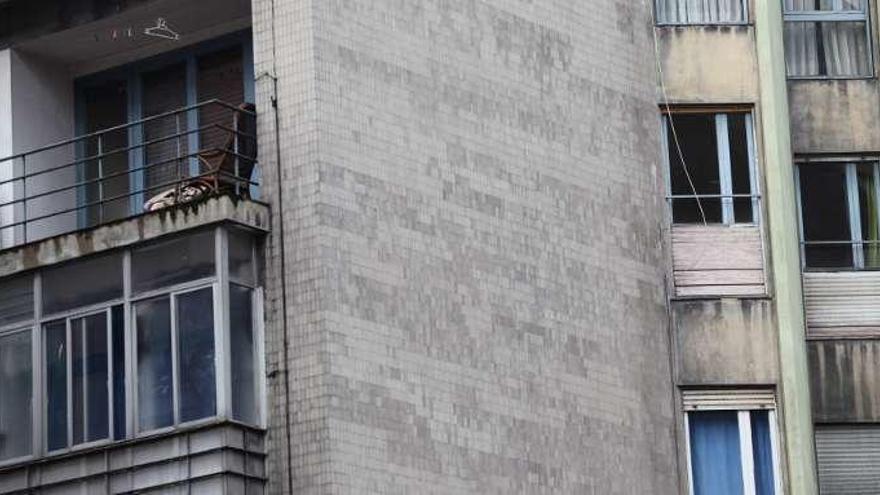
797 420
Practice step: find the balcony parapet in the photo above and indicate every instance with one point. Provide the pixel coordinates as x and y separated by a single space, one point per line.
152 225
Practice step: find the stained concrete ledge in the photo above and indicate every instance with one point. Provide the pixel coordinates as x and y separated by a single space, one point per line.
222 209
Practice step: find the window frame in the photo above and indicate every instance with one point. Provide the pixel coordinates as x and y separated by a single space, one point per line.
725 171
172 295
837 14
854 214
22 327
222 371
746 7
743 409
68 318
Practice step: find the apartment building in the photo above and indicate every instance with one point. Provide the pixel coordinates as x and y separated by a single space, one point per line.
769 113
377 246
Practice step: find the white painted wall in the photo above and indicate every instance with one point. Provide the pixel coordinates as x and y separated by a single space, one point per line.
6 214
42 101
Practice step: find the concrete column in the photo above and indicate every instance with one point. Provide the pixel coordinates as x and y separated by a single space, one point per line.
782 214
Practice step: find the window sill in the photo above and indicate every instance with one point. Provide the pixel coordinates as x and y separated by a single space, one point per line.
143 438
829 78
715 297
703 24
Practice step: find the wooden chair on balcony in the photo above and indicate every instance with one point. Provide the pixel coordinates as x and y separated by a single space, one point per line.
222 170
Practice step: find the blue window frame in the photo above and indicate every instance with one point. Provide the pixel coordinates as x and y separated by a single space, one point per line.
131 80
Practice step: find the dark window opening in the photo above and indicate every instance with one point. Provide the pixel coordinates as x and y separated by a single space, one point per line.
710 168
825 208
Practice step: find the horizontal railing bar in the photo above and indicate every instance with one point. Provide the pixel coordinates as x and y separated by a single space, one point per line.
119 197
114 152
715 196
127 125
838 243
128 172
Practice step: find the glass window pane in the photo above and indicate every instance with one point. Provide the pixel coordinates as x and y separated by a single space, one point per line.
118 372
17 300
821 5
77 367
700 12
827 49
243 355
697 173
241 258
15 395
870 223
195 329
96 377
762 452
97 280
154 369
173 262
715 453
56 384
740 167
825 215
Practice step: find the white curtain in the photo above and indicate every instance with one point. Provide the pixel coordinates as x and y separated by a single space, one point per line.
843 50
700 11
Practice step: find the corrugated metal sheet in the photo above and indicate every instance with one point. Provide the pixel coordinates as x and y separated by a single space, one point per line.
848 459
725 400
842 299
717 260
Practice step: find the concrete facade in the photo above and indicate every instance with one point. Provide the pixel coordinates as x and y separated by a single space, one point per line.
469 194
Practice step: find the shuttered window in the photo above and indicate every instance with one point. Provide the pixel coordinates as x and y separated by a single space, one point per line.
848 459
701 11
220 77
165 160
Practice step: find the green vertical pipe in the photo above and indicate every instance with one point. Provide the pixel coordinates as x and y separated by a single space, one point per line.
781 204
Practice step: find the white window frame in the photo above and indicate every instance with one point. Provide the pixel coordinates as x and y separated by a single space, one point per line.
854 212
725 173
219 284
172 296
837 14
743 402
68 317
688 22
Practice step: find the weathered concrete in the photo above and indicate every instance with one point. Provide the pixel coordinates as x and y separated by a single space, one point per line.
132 231
709 64
835 116
725 342
474 262
845 379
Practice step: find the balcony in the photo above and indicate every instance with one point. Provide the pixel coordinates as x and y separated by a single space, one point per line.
171 159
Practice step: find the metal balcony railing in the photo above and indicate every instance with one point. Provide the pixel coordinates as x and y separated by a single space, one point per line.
126 170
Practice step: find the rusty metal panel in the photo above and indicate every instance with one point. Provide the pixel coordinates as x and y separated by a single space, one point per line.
842 299
848 459
718 260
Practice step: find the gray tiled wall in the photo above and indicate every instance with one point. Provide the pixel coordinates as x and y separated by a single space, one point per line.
472 231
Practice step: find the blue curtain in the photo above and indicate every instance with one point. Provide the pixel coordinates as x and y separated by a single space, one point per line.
762 452
715 453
